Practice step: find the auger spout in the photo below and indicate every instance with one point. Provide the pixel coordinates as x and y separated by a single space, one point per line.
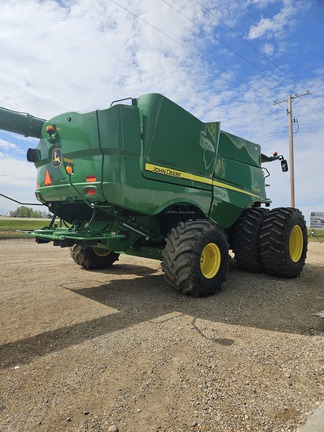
20 123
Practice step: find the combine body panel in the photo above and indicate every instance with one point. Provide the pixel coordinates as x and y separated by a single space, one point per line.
154 145
150 179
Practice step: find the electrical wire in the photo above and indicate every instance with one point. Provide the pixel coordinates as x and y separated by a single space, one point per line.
258 51
188 49
267 58
305 103
228 47
299 121
254 48
317 100
311 130
201 56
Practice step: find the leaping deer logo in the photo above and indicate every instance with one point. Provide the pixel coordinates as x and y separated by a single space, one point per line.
56 158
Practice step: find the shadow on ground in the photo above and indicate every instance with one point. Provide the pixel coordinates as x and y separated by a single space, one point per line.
254 300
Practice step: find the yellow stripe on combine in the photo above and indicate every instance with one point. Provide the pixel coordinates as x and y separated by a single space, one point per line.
157 169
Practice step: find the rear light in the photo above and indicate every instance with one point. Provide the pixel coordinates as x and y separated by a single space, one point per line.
91 179
50 130
69 169
91 192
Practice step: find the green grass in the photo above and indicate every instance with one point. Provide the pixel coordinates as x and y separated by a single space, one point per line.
317 237
8 227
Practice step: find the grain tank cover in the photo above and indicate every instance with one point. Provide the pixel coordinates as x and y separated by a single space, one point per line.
176 144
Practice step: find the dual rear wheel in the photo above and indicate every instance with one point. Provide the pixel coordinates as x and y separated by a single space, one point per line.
195 257
283 242
271 241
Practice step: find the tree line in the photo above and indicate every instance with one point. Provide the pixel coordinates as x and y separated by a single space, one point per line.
27 212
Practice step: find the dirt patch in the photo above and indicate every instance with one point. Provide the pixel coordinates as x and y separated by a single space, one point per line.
119 349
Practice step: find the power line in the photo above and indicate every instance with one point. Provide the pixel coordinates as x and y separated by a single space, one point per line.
306 127
317 100
259 52
315 112
228 47
311 130
201 56
188 49
243 57
248 43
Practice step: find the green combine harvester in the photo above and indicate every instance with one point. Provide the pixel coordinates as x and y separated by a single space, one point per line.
149 179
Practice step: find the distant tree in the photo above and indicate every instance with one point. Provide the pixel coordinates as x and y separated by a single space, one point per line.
27 212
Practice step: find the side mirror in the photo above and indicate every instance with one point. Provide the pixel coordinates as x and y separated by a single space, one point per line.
284 165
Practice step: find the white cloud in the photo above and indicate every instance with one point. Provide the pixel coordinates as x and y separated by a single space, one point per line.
277 25
268 49
6 145
88 54
15 172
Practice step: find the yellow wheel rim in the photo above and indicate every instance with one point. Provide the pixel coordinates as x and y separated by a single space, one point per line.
101 252
296 243
210 260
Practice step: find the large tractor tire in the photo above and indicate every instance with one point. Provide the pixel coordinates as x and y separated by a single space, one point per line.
195 258
245 239
283 242
92 258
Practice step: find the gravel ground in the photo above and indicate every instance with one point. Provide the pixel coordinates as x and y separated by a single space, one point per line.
119 350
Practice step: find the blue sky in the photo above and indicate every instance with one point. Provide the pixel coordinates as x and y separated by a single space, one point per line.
222 60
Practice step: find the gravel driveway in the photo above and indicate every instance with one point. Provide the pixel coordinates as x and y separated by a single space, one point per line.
120 350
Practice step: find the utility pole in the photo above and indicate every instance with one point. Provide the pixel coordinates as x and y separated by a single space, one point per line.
291 143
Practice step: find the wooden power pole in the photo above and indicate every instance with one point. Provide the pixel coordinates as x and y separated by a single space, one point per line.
291 143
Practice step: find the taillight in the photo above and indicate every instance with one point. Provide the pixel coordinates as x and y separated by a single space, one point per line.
91 192
69 169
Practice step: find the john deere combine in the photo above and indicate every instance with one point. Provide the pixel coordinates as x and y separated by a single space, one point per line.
147 178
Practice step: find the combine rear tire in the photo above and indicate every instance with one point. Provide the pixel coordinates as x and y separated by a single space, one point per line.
195 258
245 239
283 242
93 258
